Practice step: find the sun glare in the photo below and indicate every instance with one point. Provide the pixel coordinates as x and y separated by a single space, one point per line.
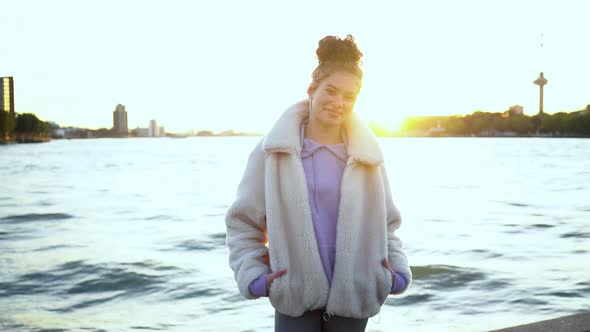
377 113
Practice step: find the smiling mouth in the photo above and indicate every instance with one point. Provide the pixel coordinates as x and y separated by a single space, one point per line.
334 112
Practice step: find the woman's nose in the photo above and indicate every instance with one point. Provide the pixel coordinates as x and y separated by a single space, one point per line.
338 101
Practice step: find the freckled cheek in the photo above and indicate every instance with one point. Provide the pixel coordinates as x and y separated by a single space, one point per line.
326 100
348 107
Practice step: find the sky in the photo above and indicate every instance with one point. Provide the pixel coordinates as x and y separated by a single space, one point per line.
220 65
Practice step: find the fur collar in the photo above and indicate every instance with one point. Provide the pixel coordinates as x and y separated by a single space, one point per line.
285 136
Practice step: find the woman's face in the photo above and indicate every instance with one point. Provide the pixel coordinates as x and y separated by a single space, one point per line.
333 100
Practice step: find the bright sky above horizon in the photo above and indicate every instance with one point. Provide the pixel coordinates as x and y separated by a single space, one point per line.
238 64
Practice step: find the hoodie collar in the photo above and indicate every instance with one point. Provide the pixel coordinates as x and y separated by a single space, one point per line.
285 136
309 146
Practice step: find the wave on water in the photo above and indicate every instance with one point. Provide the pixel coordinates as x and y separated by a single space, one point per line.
54 247
184 291
22 226
541 226
214 241
577 235
33 217
445 276
517 204
163 217
86 285
431 280
79 277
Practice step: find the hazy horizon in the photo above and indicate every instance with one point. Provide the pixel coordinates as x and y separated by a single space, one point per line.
231 65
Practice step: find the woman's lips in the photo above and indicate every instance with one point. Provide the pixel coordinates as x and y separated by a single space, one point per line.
334 112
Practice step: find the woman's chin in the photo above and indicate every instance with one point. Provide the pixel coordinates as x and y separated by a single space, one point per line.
330 120
332 123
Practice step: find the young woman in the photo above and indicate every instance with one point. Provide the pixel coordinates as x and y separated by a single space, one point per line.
313 224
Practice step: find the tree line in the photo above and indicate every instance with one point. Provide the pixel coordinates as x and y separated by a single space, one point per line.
495 124
26 124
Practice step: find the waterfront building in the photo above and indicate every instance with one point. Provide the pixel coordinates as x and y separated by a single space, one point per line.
120 127
7 94
516 110
153 128
142 132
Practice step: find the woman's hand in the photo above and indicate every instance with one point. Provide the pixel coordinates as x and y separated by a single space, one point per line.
385 264
271 277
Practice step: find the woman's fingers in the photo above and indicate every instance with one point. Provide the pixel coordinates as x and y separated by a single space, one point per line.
277 274
271 277
385 264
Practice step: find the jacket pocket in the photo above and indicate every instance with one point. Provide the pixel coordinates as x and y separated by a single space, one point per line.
278 291
384 283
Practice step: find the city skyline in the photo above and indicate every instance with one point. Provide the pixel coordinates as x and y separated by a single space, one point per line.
198 66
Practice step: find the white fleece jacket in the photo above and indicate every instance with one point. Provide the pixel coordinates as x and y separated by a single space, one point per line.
272 204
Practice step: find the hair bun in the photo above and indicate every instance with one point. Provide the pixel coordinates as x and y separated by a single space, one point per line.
333 49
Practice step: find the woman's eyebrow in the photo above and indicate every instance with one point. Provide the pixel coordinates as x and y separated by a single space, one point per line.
330 86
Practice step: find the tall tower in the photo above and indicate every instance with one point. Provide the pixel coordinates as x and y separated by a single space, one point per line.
540 81
7 94
120 121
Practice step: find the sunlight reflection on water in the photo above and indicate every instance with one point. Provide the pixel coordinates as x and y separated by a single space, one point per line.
129 234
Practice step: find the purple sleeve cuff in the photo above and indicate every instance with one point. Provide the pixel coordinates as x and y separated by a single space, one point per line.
258 286
399 284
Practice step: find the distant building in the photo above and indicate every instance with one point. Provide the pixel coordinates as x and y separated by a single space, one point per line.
436 131
205 133
59 132
7 94
153 129
142 132
120 121
516 110
161 132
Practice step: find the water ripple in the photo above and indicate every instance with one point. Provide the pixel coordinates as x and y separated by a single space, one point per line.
163 217
61 246
445 276
541 226
214 241
410 299
81 278
190 290
84 304
194 245
33 217
578 235
517 204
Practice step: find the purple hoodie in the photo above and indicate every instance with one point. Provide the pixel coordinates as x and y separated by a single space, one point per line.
323 166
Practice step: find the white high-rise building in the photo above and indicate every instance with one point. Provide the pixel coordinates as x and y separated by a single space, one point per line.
153 129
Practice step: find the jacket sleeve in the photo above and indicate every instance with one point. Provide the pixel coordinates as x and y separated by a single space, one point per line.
246 225
395 253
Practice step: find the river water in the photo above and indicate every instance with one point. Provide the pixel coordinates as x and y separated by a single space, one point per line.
128 234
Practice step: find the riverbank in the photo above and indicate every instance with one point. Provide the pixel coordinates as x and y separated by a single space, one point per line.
573 323
25 139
